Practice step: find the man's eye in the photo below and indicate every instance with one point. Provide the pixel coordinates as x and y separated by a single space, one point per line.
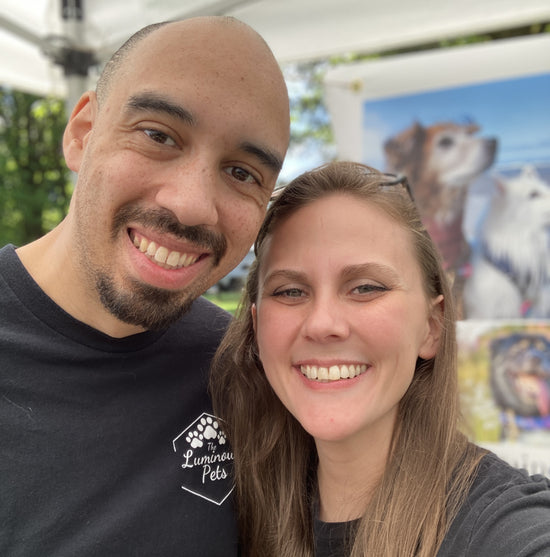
240 174
160 137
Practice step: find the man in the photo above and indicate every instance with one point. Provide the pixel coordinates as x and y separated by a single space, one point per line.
108 444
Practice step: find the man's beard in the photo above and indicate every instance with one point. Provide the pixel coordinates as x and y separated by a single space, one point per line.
145 305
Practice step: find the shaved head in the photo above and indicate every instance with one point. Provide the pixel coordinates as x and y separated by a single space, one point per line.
116 62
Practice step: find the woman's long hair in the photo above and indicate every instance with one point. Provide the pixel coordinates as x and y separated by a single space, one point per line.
431 464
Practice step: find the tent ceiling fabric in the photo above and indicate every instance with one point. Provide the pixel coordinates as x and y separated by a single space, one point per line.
295 29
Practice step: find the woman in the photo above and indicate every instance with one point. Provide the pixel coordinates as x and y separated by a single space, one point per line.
338 385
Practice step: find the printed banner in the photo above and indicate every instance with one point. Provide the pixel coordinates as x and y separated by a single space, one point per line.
504 375
470 128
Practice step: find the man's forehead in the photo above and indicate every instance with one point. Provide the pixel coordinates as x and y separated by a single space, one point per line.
198 72
204 37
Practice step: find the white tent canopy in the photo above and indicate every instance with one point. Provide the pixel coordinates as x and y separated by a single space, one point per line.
33 32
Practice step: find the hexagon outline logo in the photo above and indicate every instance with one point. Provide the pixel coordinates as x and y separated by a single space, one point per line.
207 459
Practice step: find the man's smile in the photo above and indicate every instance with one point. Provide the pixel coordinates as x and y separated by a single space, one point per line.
161 255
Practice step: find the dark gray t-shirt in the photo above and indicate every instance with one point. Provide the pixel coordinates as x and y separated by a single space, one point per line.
506 514
108 447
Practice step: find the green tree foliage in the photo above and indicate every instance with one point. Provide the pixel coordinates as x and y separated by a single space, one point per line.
35 182
309 119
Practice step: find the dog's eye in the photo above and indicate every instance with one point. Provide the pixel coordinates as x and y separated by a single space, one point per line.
446 141
534 194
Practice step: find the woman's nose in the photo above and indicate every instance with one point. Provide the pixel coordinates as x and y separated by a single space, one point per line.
326 320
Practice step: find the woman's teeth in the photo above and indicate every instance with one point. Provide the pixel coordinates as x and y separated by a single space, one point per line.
333 373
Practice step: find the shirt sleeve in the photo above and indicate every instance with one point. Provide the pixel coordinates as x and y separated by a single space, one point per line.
514 522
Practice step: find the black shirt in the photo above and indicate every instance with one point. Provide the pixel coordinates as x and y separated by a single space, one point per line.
108 447
507 513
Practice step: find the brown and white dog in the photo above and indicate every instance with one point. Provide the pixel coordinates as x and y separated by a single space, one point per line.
440 162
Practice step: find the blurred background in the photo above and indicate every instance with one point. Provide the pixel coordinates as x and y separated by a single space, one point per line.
53 50
455 95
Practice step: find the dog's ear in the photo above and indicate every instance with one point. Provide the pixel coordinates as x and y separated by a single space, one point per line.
501 188
529 172
404 150
418 131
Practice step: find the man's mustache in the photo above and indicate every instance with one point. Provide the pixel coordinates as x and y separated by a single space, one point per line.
163 221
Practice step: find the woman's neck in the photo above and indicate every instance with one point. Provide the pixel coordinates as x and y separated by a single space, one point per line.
347 476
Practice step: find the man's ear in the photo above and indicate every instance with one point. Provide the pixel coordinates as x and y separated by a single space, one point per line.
435 325
78 129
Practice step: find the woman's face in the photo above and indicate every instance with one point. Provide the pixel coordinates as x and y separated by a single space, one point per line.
342 317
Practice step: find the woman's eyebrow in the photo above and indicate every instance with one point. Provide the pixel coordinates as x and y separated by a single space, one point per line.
347 272
287 274
368 268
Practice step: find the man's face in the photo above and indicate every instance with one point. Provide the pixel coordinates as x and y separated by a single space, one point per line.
176 170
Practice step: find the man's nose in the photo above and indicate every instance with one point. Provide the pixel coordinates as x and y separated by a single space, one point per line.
192 191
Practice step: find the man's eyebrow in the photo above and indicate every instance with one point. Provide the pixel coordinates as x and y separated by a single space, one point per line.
266 156
157 103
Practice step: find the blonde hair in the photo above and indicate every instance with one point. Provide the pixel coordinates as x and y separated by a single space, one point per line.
431 464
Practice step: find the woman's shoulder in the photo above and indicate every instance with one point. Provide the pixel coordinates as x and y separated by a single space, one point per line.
494 475
507 512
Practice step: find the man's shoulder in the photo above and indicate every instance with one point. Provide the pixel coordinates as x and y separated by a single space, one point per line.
204 309
203 318
7 253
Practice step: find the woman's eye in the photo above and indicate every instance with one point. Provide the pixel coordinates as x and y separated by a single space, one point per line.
368 288
159 137
240 174
289 293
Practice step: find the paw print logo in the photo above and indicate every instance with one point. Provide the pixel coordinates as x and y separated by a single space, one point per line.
194 438
207 429
205 459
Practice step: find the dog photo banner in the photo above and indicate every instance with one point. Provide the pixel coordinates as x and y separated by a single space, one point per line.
470 128
504 375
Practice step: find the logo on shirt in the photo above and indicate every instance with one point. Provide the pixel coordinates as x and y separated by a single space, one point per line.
207 459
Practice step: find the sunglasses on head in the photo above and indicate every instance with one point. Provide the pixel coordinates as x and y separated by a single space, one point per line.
397 180
386 179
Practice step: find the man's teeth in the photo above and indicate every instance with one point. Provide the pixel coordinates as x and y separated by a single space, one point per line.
333 373
162 256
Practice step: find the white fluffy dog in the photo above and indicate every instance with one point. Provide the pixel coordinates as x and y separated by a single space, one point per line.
511 270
